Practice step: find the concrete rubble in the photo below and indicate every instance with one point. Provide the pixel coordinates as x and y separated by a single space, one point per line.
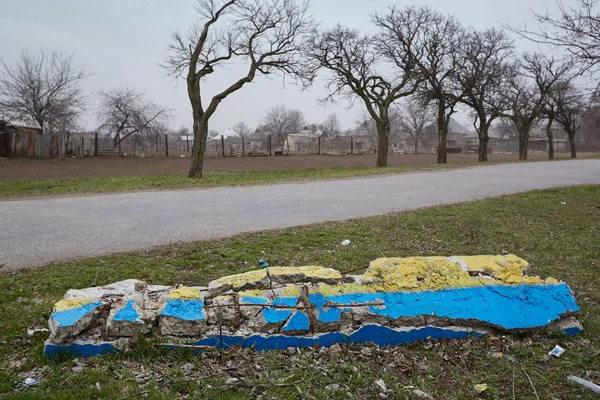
396 301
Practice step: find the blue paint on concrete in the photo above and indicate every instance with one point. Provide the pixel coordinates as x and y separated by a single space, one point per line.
254 300
573 331
278 315
187 310
127 313
79 349
325 313
380 335
298 322
511 307
71 316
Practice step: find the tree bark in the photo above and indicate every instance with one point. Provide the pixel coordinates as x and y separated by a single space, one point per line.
483 147
416 144
200 135
572 144
442 153
383 134
550 138
523 142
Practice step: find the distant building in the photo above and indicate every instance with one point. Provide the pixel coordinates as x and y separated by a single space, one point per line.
19 137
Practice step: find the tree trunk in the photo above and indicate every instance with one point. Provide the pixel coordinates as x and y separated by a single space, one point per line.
200 135
383 131
523 142
442 154
416 144
550 138
572 144
483 147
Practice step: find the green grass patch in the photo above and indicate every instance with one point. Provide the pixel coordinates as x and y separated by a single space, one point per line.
211 179
559 240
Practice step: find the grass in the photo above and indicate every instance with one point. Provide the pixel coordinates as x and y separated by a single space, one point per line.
559 240
211 179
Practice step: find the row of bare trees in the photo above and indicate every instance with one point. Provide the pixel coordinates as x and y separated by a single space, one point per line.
415 57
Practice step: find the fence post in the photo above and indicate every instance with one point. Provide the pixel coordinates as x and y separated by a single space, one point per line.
351 144
223 146
243 147
319 145
82 147
187 143
167 145
95 143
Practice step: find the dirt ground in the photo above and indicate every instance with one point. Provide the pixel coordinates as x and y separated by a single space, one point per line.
30 169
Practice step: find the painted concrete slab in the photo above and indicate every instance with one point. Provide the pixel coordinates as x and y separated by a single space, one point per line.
396 301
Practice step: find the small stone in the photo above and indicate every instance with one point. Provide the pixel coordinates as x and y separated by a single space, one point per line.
333 386
232 381
381 385
422 395
187 366
77 368
383 396
545 358
366 351
336 348
98 386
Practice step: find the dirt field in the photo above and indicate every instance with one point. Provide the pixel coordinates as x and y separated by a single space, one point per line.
30 169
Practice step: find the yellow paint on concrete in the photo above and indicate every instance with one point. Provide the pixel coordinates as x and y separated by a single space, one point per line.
253 293
508 269
407 275
185 293
239 280
309 271
69 304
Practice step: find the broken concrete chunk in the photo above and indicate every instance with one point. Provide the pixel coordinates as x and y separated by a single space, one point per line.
250 280
312 274
396 301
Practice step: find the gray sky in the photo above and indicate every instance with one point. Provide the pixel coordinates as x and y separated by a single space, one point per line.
121 42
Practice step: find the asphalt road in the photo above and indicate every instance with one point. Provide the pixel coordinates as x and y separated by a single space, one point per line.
37 232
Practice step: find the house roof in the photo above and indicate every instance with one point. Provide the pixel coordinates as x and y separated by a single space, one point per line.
23 123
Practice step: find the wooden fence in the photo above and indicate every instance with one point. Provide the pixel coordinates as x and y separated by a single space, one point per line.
27 144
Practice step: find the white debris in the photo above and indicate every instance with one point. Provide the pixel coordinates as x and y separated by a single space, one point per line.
31 332
557 351
381 385
232 381
30 382
333 386
346 242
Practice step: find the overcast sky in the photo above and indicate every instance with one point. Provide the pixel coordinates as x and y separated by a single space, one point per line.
121 42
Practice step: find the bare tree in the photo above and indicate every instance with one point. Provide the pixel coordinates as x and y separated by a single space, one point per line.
437 42
297 122
413 117
528 90
331 126
568 107
358 64
576 29
241 129
482 76
126 112
549 112
281 122
44 87
267 35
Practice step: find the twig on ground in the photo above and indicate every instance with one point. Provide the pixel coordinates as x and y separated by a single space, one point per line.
513 385
96 278
532 385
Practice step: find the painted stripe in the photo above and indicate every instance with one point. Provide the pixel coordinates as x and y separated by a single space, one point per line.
187 310
72 316
127 313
